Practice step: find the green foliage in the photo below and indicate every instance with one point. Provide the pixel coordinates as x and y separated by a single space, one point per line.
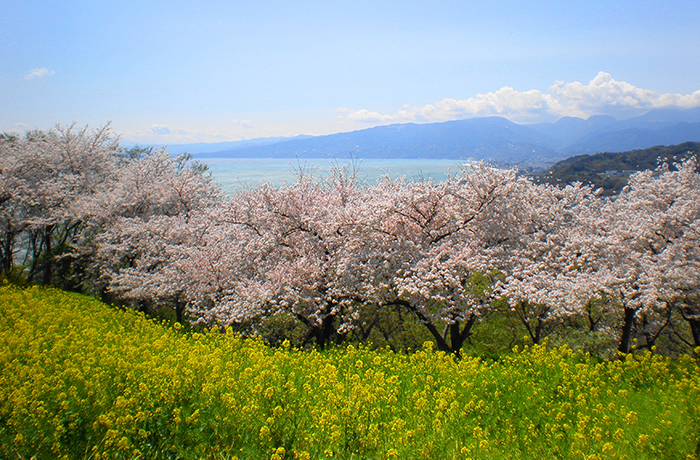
389 327
16 277
81 380
277 328
591 169
496 335
593 331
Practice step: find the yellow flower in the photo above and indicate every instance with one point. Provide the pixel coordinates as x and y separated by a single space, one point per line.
123 443
643 440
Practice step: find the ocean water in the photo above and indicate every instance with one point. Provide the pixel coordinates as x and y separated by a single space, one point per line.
237 173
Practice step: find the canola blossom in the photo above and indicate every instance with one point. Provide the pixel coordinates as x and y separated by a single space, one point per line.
81 380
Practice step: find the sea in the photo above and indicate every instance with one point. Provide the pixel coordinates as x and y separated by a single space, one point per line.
234 174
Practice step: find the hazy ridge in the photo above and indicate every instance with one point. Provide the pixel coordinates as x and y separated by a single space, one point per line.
494 139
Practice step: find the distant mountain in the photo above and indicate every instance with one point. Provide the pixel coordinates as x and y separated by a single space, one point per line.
493 139
611 171
568 130
202 147
658 117
605 133
636 138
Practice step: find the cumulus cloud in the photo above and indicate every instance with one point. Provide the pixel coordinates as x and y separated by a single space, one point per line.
247 124
605 94
602 95
160 129
39 73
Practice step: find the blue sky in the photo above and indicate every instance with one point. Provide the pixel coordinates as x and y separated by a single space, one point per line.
211 71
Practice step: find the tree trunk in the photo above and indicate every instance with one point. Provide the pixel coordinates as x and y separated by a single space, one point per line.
439 339
695 329
690 314
539 330
48 258
388 339
442 344
592 322
36 255
324 332
652 336
180 311
457 337
6 255
321 334
627 328
523 313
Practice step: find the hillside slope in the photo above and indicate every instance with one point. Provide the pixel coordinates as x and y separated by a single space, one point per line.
610 171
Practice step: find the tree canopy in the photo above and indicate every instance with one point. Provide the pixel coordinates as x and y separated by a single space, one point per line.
340 259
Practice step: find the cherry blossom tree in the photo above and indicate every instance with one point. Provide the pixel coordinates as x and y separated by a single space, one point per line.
680 258
156 231
137 261
539 255
271 250
323 251
643 247
42 175
317 230
143 223
426 240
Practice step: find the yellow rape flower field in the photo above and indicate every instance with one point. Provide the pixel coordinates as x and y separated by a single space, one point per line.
80 380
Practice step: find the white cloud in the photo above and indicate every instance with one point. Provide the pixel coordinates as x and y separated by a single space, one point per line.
163 134
160 129
39 73
602 95
247 124
605 94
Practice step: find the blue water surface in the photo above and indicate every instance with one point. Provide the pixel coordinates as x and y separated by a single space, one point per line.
237 173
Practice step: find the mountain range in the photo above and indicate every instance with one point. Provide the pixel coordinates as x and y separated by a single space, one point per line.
494 139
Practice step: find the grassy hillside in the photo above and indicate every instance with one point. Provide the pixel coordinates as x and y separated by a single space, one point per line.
610 171
81 380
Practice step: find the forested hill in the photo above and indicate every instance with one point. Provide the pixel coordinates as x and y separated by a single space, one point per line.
611 170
